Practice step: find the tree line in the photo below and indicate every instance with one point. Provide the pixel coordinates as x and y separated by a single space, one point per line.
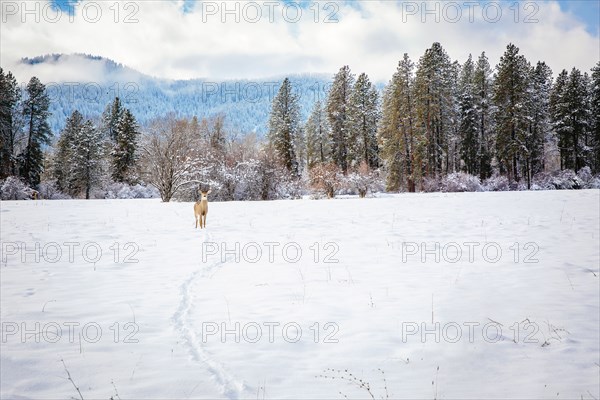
433 119
85 153
440 117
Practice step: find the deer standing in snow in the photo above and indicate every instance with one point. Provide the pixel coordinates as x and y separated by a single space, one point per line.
201 209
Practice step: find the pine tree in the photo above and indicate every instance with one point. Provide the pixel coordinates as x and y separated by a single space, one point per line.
195 128
389 134
578 97
86 159
402 145
10 123
111 117
338 116
363 118
595 113
217 136
35 114
300 147
284 126
63 160
571 118
454 135
539 122
511 117
317 137
469 132
482 85
124 154
587 141
559 115
434 106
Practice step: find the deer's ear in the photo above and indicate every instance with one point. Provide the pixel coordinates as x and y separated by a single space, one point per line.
208 191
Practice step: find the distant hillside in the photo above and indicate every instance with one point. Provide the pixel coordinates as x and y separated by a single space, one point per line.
246 104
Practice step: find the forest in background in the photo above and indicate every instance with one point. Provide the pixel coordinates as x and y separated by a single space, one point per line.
438 125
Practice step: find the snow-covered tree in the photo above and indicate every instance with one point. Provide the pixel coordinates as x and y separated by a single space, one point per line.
559 114
453 159
284 126
10 123
327 178
86 159
216 132
269 175
35 115
363 179
511 91
48 190
13 188
595 112
169 157
401 144
435 106
571 118
63 161
111 117
318 149
539 132
469 132
338 116
363 119
587 141
125 154
482 86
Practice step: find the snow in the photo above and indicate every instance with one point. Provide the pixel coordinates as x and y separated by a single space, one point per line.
178 291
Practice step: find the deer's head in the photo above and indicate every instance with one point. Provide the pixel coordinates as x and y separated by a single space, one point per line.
204 195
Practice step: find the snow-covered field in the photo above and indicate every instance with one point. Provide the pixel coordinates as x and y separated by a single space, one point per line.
509 310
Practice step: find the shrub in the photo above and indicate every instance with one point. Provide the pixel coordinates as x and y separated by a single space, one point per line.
326 178
557 180
363 180
15 189
431 185
496 183
290 187
119 190
49 191
587 179
461 182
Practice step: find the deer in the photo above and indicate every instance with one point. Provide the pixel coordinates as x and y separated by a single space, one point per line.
201 209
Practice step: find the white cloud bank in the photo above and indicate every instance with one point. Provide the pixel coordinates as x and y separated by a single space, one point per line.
370 36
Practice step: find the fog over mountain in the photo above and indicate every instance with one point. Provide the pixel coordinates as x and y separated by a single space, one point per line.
88 83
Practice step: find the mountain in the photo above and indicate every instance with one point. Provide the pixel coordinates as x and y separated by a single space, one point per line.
88 83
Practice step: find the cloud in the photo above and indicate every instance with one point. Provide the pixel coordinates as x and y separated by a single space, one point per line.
76 68
176 40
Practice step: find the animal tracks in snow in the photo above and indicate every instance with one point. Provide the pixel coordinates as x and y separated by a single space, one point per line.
229 386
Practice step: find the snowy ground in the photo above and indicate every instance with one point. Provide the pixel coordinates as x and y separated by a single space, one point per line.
191 320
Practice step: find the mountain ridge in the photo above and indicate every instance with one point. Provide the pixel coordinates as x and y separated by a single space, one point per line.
96 80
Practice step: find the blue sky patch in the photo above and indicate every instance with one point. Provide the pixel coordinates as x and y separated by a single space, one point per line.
64 5
587 11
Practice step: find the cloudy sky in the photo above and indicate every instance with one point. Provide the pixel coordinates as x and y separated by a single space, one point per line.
179 39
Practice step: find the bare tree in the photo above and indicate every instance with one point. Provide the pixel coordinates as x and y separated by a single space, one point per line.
169 158
363 179
327 178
